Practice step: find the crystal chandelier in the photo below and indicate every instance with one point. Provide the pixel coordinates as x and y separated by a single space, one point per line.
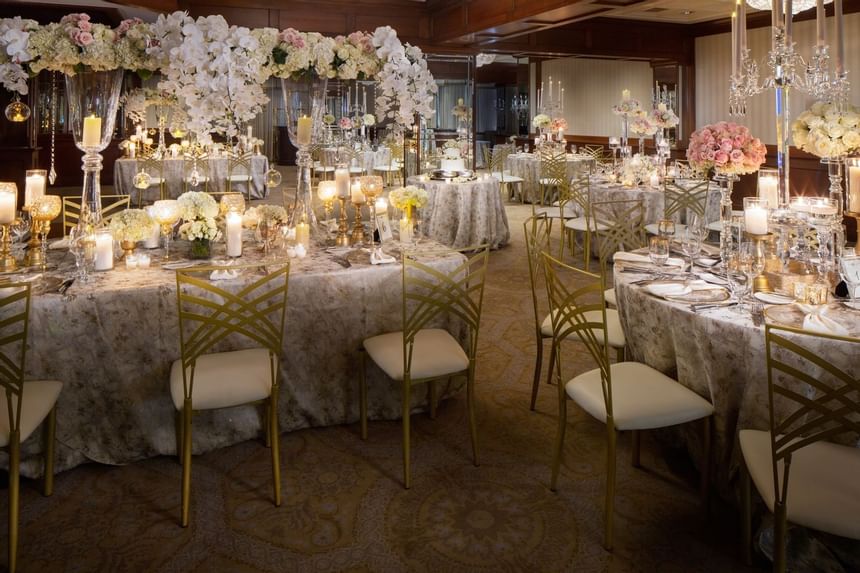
797 7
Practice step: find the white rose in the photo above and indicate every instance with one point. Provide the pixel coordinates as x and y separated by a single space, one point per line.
851 139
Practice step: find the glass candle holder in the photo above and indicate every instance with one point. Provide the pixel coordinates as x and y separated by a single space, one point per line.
768 186
852 180
755 215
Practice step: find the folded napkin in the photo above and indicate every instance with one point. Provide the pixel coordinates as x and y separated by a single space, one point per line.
625 256
816 321
713 279
224 275
61 244
377 257
676 289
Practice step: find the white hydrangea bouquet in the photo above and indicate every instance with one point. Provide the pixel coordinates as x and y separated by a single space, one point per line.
199 210
408 198
826 131
254 215
541 121
132 225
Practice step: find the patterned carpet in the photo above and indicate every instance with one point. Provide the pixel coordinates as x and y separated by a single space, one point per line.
344 507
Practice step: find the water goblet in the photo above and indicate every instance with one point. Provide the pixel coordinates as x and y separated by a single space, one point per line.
691 243
666 228
658 250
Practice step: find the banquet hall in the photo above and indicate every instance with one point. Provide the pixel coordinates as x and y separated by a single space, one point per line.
430 285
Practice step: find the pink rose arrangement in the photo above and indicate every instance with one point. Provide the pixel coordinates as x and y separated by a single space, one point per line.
345 123
727 147
558 123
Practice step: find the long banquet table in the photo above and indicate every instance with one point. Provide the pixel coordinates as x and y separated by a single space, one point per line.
718 353
111 342
175 170
464 214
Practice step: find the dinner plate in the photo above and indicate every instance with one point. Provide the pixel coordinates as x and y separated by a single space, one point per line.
773 298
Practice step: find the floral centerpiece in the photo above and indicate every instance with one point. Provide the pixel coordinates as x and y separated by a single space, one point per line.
345 123
726 147
328 119
636 170
541 121
826 131
130 226
663 117
369 119
628 107
558 124
254 215
642 126
199 210
408 198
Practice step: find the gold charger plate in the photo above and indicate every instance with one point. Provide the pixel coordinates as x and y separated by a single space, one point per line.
792 315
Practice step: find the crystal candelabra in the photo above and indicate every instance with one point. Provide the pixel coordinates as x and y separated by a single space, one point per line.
786 70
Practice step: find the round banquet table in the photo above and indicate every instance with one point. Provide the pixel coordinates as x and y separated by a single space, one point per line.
174 171
112 340
719 354
527 166
464 214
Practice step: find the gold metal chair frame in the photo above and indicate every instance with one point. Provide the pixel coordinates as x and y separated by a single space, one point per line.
553 175
431 294
111 205
242 164
831 413
578 192
13 347
569 309
679 198
394 171
537 233
203 323
496 164
595 151
154 167
618 225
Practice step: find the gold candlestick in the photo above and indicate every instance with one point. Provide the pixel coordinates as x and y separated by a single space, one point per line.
342 239
43 210
761 283
33 257
7 261
358 234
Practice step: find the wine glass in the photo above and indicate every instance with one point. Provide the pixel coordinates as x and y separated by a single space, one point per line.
736 273
666 228
82 246
691 243
658 250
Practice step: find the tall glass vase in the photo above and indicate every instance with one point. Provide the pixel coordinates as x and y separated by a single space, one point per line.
625 134
837 195
726 182
304 102
93 100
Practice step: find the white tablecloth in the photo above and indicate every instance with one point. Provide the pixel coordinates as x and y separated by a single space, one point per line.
175 170
464 214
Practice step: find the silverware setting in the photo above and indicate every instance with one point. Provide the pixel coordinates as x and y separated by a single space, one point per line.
711 306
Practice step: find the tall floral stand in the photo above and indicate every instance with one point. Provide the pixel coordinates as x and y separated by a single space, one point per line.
304 102
93 101
726 182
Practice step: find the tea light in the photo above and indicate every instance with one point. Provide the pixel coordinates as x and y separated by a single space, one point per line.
291 252
92 135
303 130
823 208
301 251
234 234
104 251
143 261
381 205
131 261
326 190
34 186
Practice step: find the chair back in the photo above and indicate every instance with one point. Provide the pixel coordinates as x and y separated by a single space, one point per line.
619 226
554 168
14 320
581 311
578 192
111 205
239 170
681 196
429 294
537 232
810 399
497 160
209 314
595 151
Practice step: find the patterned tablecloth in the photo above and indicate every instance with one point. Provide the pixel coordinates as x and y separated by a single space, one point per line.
527 166
464 214
652 199
175 170
717 353
112 340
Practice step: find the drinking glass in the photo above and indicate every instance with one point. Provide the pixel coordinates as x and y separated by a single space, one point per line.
749 264
691 243
736 278
82 246
658 250
666 228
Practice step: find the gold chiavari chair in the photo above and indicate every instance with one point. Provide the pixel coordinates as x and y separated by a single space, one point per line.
681 197
324 163
496 166
420 353
239 173
802 475
111 205
579 201
27 403
553 174
205 379
595 151
618 226
153 166
394 170
625 395
537 233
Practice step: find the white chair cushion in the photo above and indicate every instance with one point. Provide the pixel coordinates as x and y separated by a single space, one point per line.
555 212
225 379
642 398
386 168
609 297
823 489
356 169
506 177
613 326
578 224
238 177
652 229
39 397
434 354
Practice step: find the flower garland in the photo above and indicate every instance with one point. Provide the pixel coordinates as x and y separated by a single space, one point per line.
727 147
199 210
825 131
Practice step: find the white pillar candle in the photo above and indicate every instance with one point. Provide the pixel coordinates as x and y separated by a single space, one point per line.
625 95
92 136
34 188
357 194
250 132
768 189
104 252
788 15
8 199
755 220
734 43
341 181
820 23
405 230
854 189
303 235
234 234
303 130
840 36
742 25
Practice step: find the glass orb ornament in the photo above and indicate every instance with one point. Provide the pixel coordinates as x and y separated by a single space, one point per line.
17 110
142 180
273 178
194 177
